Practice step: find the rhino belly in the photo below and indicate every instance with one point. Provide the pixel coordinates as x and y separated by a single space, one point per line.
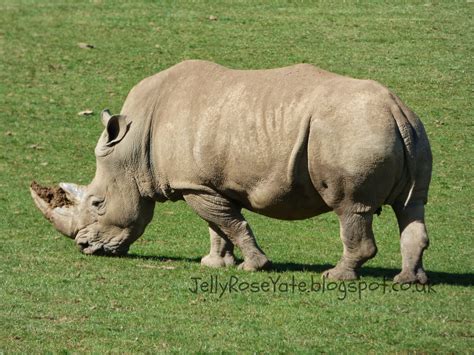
279 200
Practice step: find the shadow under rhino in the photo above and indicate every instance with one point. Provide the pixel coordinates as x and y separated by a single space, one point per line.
436 277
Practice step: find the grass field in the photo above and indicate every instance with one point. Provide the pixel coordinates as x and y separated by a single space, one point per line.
53 299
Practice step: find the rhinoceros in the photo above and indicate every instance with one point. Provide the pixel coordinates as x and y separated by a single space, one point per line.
288 143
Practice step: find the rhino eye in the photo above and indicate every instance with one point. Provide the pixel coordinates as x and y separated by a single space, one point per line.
96 203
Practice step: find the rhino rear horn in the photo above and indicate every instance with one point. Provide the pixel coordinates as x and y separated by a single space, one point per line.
75 193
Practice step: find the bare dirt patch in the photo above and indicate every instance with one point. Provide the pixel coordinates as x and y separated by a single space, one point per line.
54 196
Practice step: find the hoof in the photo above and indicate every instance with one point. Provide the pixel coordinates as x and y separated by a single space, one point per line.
409 277
213 261
256 264
229 260
340 274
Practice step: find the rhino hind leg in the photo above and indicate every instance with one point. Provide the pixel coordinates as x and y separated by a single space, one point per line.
413 242
359 245
222 249
222 213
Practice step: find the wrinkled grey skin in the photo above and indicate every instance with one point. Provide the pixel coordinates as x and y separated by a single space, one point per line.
288 143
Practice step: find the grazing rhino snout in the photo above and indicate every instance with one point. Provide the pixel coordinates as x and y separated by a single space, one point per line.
97 240
100 249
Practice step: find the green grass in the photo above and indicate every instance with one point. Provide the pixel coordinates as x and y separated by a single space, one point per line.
52 298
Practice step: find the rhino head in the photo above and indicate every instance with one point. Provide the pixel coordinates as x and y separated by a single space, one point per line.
109 214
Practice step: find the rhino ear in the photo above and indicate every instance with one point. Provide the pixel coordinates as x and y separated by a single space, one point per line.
117 127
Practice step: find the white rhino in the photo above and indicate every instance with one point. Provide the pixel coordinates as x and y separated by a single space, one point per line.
288 143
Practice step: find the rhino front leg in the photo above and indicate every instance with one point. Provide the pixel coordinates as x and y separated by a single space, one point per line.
359 245
222 249
413 242
221 212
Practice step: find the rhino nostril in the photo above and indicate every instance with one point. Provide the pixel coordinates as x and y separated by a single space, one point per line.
83 245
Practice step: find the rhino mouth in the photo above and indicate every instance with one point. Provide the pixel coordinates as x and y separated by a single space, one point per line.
91 249
100 249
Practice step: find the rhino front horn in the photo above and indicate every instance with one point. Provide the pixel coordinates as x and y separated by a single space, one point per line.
58 206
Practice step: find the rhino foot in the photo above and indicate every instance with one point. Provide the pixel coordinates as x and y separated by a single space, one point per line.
229 260
255 264
411 277
218 261
340 274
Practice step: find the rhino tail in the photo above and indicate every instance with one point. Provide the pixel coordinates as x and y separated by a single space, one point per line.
407 133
